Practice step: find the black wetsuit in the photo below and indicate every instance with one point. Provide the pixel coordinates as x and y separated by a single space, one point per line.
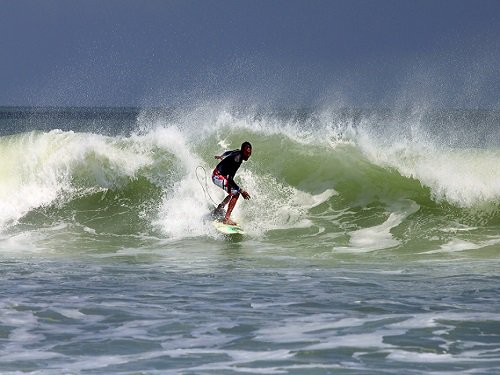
229 166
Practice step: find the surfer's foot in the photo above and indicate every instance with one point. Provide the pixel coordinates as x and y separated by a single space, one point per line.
228 222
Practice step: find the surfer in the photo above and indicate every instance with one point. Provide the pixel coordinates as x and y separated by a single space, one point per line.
223 177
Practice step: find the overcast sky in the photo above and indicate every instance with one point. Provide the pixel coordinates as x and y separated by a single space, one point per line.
152 52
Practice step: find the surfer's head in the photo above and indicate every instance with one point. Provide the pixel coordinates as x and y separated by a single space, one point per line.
246 150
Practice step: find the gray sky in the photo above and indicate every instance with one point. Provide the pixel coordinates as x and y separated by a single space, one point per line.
152 52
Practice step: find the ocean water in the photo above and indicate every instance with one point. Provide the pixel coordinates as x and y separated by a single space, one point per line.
372 242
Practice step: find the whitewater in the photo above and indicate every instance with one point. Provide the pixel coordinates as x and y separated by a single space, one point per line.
371 245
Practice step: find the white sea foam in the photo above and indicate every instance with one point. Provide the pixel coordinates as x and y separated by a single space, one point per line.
465 177
183 212
379 236
458 245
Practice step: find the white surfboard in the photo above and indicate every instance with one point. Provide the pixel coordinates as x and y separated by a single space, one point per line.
227 229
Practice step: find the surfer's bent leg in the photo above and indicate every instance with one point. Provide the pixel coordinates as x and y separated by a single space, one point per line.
230 207
224 202
224 184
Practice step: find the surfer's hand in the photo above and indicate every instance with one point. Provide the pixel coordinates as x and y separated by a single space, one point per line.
245 194
217 157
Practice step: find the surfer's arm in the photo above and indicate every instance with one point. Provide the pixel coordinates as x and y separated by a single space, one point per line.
225 154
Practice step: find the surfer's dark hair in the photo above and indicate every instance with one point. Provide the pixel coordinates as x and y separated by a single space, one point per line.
245 144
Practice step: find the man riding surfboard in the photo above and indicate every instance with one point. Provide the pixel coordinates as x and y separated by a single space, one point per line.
223 177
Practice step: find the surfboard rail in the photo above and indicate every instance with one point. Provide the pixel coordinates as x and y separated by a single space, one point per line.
227 229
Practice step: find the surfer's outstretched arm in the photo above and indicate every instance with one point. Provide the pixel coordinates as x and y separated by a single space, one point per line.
223 156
